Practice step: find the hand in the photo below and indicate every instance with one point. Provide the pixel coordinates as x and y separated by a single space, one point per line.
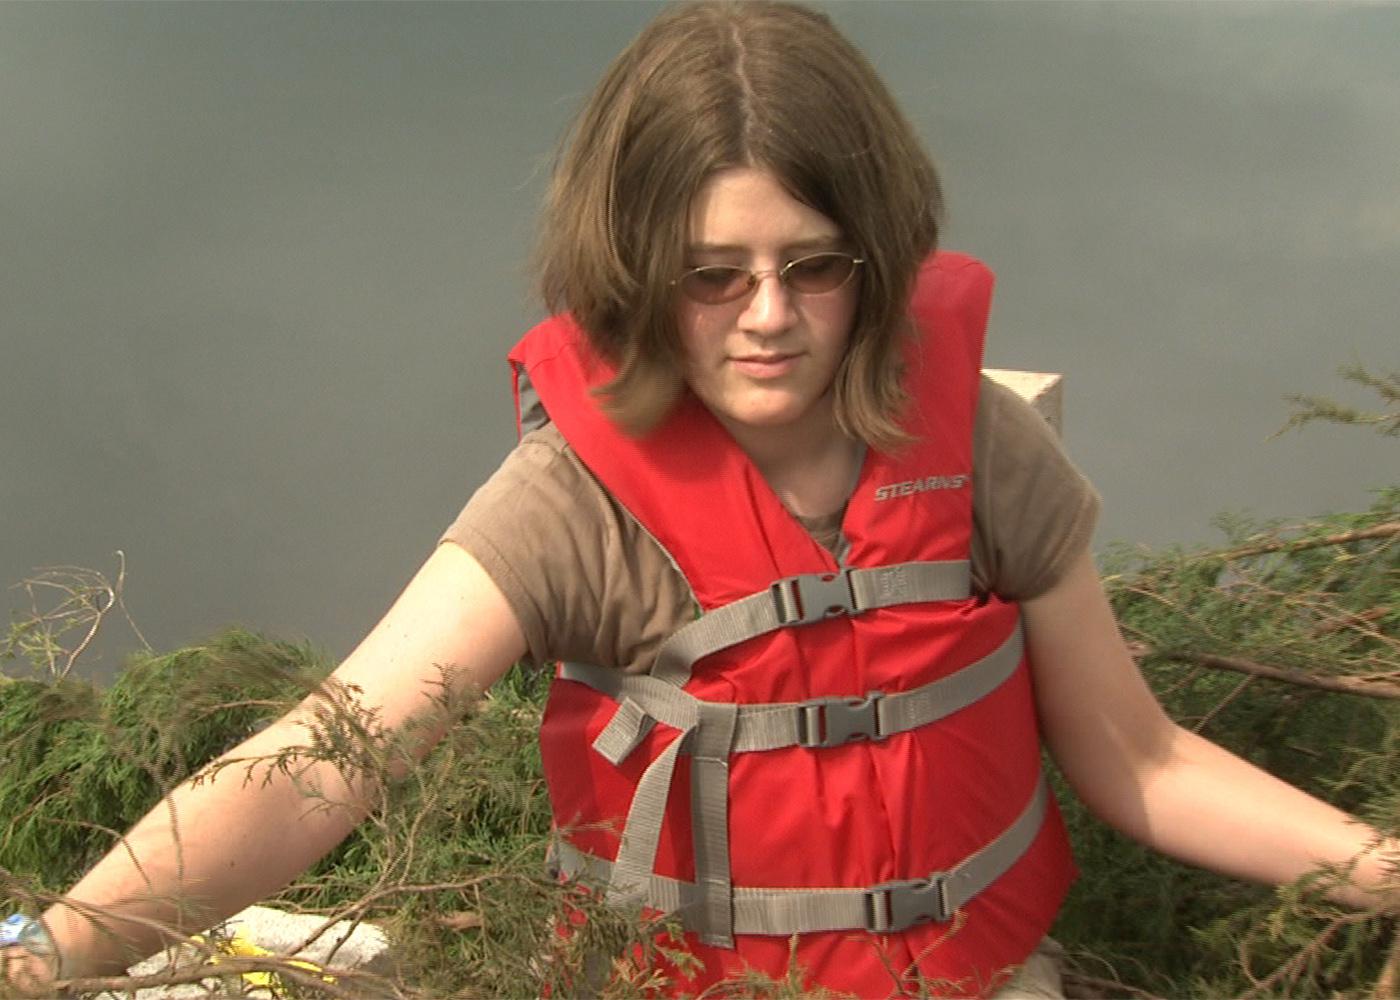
23 970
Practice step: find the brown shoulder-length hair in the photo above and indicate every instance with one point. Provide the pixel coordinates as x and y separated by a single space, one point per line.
708 86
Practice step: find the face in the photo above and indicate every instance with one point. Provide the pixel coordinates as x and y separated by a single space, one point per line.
763 363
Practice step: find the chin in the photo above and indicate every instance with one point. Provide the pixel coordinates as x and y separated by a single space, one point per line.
766 417
761 408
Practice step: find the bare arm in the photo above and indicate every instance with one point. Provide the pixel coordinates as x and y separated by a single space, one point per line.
239 841
1163 785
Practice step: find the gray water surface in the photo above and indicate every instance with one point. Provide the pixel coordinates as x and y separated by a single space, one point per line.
260 263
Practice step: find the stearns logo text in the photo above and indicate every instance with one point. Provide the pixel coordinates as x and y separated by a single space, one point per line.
911 486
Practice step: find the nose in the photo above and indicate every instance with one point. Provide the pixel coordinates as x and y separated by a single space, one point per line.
770 308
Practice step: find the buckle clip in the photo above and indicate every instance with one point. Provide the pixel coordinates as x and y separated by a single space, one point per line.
830 722
810 597
899 905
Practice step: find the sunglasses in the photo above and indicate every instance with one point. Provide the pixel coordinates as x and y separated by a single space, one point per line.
814 274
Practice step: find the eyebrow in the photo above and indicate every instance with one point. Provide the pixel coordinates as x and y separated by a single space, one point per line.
814 243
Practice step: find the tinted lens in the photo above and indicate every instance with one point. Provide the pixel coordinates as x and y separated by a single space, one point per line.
719 283
821 272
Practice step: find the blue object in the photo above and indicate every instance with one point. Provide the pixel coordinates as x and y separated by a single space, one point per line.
17 930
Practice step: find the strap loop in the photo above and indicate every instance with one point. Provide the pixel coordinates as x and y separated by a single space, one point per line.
641 833
627 728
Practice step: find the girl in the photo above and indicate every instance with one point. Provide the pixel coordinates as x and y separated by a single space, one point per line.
819 592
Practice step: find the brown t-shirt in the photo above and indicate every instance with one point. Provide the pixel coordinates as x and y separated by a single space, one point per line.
587 583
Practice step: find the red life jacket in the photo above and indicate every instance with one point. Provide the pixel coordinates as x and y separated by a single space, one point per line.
881 815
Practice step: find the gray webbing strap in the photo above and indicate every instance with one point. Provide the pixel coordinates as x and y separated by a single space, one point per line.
636 857
884 908
532 412
819 722
827 722
628 727
707 734
807 598
709 810
711 731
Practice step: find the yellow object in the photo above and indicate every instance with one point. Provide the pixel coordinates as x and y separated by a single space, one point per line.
239 946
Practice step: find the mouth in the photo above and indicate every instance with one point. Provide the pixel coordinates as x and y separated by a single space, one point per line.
764 365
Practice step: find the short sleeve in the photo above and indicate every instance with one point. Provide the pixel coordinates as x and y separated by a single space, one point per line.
1033 511
584 581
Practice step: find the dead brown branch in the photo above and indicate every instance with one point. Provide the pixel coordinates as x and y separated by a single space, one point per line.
1288 675
1299 544
64 599
1360 620
1084 987
330 982
1388 982
1223 704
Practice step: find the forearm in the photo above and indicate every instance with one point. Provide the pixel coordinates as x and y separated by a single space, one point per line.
208 850
215 846
1167 787
1206 806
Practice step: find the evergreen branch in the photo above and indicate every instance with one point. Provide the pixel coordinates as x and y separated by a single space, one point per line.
1343 685
1291 968
1079 985
1312 408
1385 386
1308 408
1388 982
1299 544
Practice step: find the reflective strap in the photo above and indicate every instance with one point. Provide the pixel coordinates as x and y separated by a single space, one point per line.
807 598
885 908
817 722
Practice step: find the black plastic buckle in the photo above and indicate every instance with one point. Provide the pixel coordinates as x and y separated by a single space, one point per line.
830 722
897 906
810 597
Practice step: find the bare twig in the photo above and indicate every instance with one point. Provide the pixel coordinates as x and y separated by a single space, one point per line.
1079 985
327 982
1299 544
63 599
1344 685
1223 704
1359 620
